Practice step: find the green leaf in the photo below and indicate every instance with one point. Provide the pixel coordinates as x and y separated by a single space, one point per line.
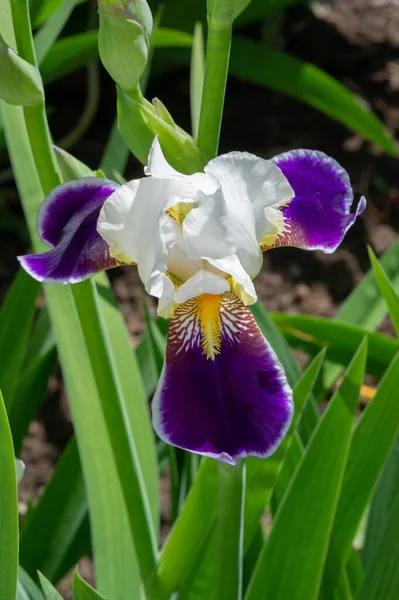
382 578
184 543
49 32
27 588
115 561
277 341
105 357
166 37
71 167
196 77
16 316
385 493
53 524
387 290
82 590
371 444
291 448
365 306
8 511
49 591
303 81
29 394
303 521
311 334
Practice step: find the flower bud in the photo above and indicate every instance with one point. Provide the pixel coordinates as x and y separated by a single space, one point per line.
224 12
140 122
20 82
124 39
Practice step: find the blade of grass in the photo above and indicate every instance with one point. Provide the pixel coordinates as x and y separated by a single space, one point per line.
302 521
8 511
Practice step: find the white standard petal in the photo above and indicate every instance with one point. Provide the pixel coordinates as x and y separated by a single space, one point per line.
203 282
159 168
134 223
206 230
250 185
242 283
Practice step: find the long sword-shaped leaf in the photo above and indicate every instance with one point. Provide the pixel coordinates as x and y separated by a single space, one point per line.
382 578
291 564
55 521
82 590
8 511
371 444
16 317
310 334
116 564
284 73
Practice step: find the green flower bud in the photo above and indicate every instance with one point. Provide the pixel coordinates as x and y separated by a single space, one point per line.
224 12
140 122
20 82
124 39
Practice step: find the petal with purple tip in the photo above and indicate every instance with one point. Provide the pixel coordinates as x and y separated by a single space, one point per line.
319 214
67 221
222 391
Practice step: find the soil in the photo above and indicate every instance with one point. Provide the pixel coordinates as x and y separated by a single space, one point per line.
357 42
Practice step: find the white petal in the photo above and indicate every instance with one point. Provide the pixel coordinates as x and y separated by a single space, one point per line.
205 230
203 282
157 165
160 286
134 224
242 284
250 184
159 168
178 263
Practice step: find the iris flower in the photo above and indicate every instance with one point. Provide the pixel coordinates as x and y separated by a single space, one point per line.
197 241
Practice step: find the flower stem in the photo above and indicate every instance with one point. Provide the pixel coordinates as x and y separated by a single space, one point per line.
230 530
35 116
216 67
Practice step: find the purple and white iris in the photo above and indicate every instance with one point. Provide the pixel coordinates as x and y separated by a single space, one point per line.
197 241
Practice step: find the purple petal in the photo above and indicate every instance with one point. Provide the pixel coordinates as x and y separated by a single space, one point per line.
222 391
67 221
320 214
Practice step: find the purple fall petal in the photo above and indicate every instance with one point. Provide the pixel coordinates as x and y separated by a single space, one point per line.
229 404
67 222
320 214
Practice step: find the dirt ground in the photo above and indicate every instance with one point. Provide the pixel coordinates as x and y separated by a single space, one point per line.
356 41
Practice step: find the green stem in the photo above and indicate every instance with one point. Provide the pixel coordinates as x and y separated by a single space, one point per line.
35 116
216 68
230 529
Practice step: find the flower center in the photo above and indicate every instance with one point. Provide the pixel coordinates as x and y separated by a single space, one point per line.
208 311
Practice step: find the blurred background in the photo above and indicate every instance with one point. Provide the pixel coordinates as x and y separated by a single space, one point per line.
354 41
